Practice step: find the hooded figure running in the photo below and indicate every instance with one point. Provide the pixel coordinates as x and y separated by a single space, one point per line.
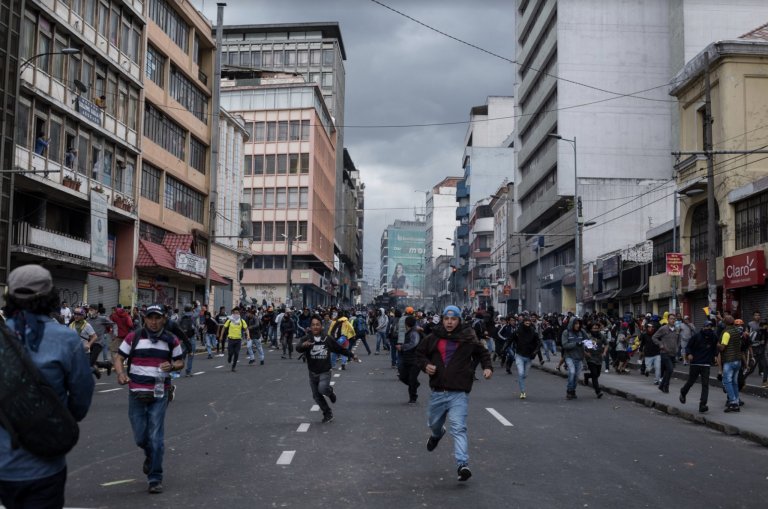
449 356
573 351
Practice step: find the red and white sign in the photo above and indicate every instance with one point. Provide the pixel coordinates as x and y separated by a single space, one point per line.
674 264
746 269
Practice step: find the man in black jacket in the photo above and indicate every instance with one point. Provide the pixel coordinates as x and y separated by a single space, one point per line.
700 353
317 348
448 356
527 343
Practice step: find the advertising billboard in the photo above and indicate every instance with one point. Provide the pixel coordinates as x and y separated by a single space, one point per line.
406 263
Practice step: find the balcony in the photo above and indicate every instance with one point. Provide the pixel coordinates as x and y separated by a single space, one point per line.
462 212
38 242
462 231
462 190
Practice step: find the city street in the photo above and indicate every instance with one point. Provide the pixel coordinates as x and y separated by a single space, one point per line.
228 433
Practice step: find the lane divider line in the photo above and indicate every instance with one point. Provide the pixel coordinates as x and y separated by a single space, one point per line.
112 390
286 457
337 375
315 408
114 483
198 373
499 417
333 383
303 427
218 367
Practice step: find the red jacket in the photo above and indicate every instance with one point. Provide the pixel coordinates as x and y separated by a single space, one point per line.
123 321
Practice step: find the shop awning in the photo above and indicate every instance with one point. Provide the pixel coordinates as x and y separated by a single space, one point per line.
157 256
610 294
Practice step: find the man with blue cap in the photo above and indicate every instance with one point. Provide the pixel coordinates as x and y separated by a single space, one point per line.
448 355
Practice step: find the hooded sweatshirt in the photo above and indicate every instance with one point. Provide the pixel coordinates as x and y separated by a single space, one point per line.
526 340
381 324
572 340
703 347
318 356
455 355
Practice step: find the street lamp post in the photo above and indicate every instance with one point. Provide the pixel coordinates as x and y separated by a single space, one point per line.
579 224
289 267
62 51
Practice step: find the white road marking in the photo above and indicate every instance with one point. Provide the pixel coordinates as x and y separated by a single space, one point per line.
98 383
499 417
337 375
124 481
333 383
112 390
303 427
286 457
198 373
315 408
217 367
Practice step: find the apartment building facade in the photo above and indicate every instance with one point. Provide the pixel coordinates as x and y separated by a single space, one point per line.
78 144
289 181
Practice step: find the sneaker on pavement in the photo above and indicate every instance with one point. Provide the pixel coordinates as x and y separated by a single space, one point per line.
327 419
703 408
155 488
433 441
332 395
522 395
261 363
464 473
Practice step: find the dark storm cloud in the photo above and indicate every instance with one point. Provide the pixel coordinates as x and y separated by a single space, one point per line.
401 73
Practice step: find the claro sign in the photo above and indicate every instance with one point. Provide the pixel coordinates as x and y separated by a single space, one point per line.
746 269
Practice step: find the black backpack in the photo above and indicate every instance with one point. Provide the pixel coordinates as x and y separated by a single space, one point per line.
187 325
30 410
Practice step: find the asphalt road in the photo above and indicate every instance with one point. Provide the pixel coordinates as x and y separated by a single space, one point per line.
226 433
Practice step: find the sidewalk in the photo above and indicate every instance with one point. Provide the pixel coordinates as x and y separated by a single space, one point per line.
751 423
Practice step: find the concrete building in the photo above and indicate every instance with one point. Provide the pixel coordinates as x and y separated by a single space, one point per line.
624 142
231 245
10 34
289 180
739 94
175 174
78 145
351 253
316 52
487 161
441 227
503 254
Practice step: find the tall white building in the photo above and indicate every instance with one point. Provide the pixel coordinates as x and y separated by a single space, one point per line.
441 227
572 77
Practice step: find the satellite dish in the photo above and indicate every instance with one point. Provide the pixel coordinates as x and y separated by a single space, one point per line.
81 86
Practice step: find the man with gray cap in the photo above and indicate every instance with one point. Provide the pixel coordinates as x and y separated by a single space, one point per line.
27 480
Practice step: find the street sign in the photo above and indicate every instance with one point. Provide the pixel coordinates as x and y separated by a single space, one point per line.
674 264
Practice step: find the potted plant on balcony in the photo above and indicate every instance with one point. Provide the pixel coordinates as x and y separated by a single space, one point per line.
123 203
71 182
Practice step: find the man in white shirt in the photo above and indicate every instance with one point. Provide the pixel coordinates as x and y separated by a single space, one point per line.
65 313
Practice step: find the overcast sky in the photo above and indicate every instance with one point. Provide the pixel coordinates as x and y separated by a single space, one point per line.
398 73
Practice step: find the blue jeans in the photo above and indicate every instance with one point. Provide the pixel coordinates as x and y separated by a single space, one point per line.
393 353
259 348
191 355
574 369
655 363
522 363
453 405
549 347
336 356
148 424
210 343
106 339
731 381
381 337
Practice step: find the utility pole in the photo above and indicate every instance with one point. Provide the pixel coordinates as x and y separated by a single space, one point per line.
711 225
289 267
520 275
214 196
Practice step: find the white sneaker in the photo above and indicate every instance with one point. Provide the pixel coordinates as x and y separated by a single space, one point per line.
607 371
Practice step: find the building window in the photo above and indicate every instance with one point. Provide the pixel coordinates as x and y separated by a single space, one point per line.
281 200
170 22
259 132
155 66
247 165
150 182
183 199
164 131
269 198
304 164
269 164
699 246
268 231
258 198
257 231
293 197
661 246
282 130
303 230
327 57
188 95
197 154
303 197
752 221
282 164
258 164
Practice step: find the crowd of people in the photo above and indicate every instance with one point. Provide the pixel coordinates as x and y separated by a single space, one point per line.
148 346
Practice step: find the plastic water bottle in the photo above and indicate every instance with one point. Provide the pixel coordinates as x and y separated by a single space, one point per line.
159 384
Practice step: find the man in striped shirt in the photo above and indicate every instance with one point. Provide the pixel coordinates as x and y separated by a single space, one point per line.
152 353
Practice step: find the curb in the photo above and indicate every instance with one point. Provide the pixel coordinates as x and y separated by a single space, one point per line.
694 417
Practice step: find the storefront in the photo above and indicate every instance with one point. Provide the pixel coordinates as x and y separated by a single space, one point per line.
694 289
744 284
